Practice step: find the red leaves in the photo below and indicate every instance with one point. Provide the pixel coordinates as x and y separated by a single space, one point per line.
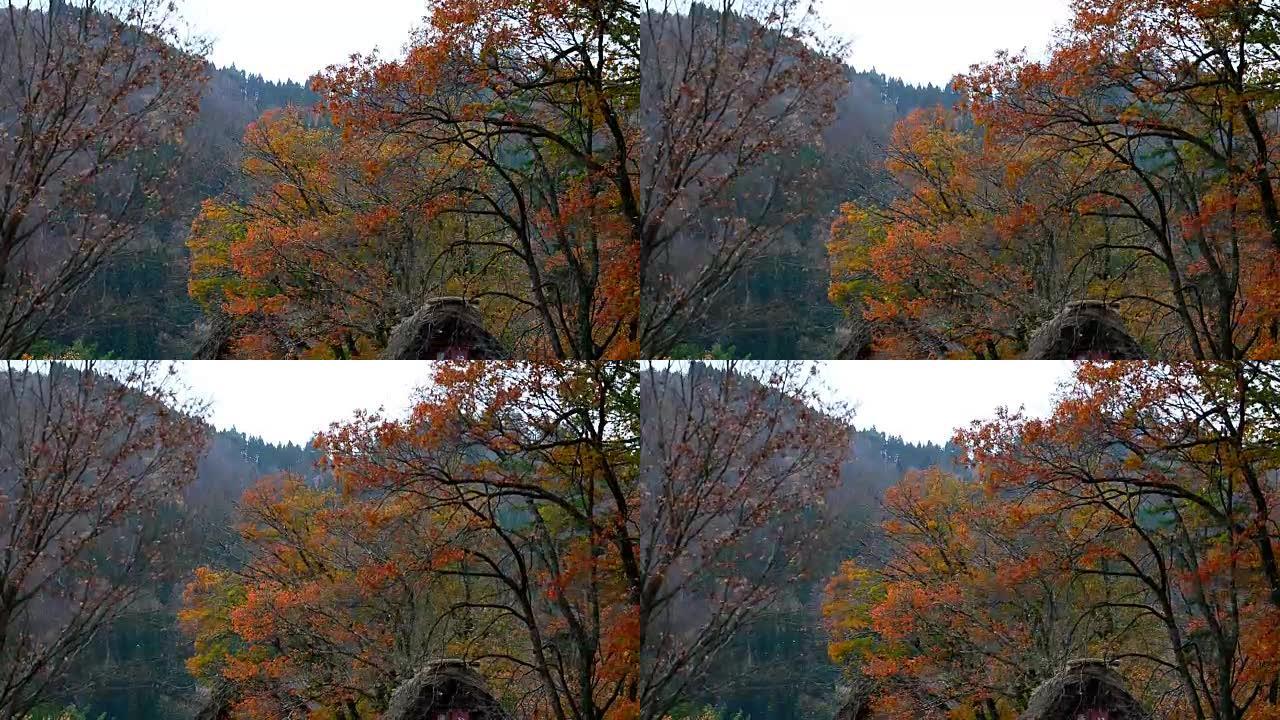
1104 172
956 264
498 517
1140 494
497 93
324 607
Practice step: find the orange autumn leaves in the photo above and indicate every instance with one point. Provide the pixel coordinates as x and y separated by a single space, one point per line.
491 163
1134 166
495 524
1136 522
956 616
972 255
323 255
316 615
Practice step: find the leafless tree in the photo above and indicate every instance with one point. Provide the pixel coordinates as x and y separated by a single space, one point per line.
89 455
735 464
95 96
731 95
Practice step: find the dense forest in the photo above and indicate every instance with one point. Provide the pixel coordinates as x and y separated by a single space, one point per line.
1132 526
778 667
1134 523
1115 198
745 185
204 573
125 491
135 667
771 510
777 305
459 201
137 304
674 541
157 568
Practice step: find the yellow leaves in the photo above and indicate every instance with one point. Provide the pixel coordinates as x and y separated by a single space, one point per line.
214 231
854 235
207 603
958 252
848 600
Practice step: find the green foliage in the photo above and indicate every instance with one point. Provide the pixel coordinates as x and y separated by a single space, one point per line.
692 712
691 351
50 712
77 350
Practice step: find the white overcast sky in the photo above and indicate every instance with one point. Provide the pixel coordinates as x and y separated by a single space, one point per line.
921 41
930 41
917 400
294 39
283 401
925 401
920 401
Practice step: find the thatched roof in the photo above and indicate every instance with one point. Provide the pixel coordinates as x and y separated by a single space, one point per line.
443 685
444 327
855 341
857 700
218 705
213 338
1085 685
856 708
1085 329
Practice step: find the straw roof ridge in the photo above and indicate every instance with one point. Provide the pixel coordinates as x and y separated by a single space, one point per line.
442 322
1085 684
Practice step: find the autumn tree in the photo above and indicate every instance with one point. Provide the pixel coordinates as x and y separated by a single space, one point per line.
1172 469
965 602
1135 522
326 242
532 107
734 95
540 462
736 462
90 457
496 523
1156 114
97 96
1175 96
333 600
975 246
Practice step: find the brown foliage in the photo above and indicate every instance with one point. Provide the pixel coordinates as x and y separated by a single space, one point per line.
96 93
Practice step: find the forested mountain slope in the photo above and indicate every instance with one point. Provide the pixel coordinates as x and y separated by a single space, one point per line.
135 670
778 669
776 666
778 306
137 305
743 194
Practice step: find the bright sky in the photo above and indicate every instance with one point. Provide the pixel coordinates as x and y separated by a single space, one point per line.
294 39
925 401
920 401
930 41
917 400
291 401
921 41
